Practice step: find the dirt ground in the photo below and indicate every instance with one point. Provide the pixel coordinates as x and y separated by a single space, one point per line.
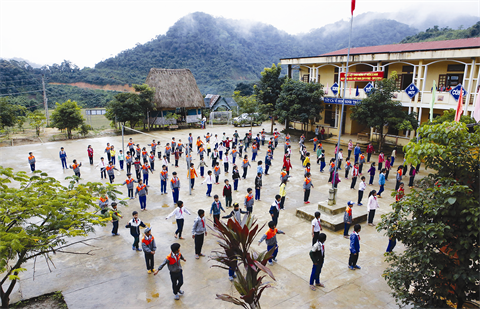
47 301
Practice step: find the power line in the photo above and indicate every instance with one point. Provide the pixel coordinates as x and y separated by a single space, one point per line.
15 93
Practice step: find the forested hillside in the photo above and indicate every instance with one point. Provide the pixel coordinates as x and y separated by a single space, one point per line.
220 52
440 34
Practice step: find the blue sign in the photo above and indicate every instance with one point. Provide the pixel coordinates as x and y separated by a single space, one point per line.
411 90
340 101
334 89
368 88
455 92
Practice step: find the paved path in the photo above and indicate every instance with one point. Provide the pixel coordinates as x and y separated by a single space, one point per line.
116 277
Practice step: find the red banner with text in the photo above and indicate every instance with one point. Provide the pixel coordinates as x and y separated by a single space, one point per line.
362 76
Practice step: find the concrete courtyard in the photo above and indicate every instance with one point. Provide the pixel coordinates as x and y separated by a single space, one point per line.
116 277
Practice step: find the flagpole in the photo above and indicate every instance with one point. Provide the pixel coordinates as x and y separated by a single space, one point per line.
340 125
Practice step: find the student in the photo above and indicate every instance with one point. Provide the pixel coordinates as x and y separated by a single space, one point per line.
258 186
129 182
400 193
168 150
116 215
317 255
307 185
371 171
90 154
249 201
398 177
111 171
349 149
370 151
307 170
63 157
159 152
103 204
254 151
340 158
142 192
216 208
387 168
245 165
381 159
138 166
138 153
209 181
411 173
179 212
227 193
347 218
236 213
348 166
361 161
107 151
283 193
270 238
201 166
149 247
76 168
151 160
356 152
192 173
163 180
316 227
372 206
354 248
128 160
331 169
121 159
131 146
134 224
392 157
287 164
322 160
31 161
221 148
175 186
199 231
145 169
112 153
381 183
354 176
260 167
235 177
361 189
275 209
268 162
176 275
216 172
190 140
214 157
176 156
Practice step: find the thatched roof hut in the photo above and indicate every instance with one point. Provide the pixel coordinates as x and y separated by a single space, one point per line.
175 88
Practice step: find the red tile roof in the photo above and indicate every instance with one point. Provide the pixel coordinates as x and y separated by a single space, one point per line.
409 47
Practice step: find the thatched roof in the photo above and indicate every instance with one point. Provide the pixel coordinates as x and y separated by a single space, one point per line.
175 88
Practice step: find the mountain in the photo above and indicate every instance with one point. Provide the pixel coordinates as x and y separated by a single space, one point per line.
220 52
439 34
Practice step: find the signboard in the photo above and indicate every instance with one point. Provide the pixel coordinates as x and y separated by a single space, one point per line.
334 89
411 90
455 92
340 101
368 88
362 76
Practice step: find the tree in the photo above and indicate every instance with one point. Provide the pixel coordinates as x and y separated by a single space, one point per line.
300 101
378 110
246 89
124 108
268 90
145 100
9 113
248 105
67 116
449 115
84 129
439 225
37 120
235 240
38 216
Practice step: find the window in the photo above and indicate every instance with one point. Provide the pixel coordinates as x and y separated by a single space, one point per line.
305 78
87 112
407 69
335 75
330 115
456 68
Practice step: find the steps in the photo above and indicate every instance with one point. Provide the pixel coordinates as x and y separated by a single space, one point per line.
332 216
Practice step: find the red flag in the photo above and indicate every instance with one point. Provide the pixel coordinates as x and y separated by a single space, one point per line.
353 6
459 106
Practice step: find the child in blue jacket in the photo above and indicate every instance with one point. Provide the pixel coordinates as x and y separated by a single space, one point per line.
354 247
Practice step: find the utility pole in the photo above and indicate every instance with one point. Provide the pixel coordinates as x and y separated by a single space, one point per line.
45 100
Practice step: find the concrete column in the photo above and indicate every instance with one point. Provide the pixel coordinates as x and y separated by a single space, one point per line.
419 83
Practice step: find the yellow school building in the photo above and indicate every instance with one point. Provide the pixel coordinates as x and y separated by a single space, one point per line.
449 63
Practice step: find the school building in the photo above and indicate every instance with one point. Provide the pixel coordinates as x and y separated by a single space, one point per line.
449 63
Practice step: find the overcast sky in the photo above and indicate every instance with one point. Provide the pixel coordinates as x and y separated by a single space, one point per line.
88 31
